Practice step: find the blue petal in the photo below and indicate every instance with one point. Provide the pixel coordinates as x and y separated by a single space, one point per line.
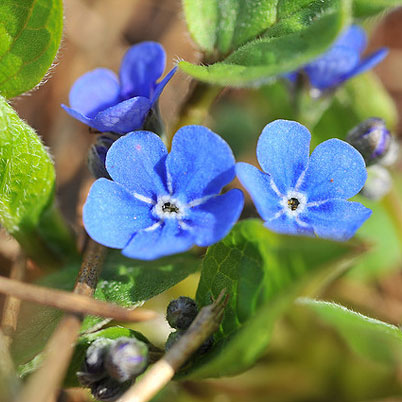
211 221
94 91
368 63
124 117
337 219
336 170
79 116
329 70
141 67
354 38
137 161
286 225
166 239
112 215
199 164
282 151
160 86
258 185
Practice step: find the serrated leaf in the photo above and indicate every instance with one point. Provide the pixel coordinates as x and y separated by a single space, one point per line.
222 25
303 31
370 8
367 336
30 34
262 273
123 281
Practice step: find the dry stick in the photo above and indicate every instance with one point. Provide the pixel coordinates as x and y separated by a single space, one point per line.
43 384
71 302
11 304
204 325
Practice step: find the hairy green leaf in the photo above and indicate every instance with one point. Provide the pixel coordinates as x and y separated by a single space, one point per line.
30 34
262 273
369 8
222 25
367 336
123 281
304 29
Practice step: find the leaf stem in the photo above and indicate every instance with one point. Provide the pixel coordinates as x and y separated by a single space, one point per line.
204 325
196 107
44 383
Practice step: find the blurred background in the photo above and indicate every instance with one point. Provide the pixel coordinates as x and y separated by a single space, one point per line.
306 360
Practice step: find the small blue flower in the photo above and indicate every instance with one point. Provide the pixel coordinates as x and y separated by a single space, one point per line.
160 203
342 61
107 103
305 195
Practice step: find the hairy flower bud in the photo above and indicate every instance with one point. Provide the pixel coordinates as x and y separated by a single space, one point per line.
372 139
378 183
97 155
126 359
108 389
181 312
93 368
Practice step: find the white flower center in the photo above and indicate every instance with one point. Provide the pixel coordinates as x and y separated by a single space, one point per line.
169 208
293 203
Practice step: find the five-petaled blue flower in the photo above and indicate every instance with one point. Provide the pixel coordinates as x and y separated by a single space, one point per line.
305 195
160 203
120 105
342 61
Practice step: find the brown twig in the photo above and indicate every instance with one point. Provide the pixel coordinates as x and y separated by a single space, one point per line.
71 302
12 304
8 378
204 325
43 384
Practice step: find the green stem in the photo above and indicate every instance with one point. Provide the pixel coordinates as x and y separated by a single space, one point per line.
196 108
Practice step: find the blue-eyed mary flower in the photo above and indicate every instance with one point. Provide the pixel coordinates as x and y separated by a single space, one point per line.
342 61
159 203
106 102
302 194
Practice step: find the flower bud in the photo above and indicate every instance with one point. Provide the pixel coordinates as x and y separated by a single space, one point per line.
181 312
108 389
126 359
93 368
378 183
372 139
175 336
97 155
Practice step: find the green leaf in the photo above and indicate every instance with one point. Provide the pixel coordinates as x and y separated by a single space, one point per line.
130 282
262 273
367 336
370 8
27 180
303 31
222 25
30 34
123 281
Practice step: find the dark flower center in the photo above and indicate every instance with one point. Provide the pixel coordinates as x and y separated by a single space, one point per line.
293 203
170 208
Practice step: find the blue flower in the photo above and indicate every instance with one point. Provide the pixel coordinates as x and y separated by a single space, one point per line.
305 195
107 103
159 203
342 61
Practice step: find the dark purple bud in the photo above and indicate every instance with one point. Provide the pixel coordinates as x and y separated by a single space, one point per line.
372 139
181 312
97 155
93 368
175 336
108 389
126 359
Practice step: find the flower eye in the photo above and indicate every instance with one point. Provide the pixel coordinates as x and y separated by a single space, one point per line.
293 203
170 208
